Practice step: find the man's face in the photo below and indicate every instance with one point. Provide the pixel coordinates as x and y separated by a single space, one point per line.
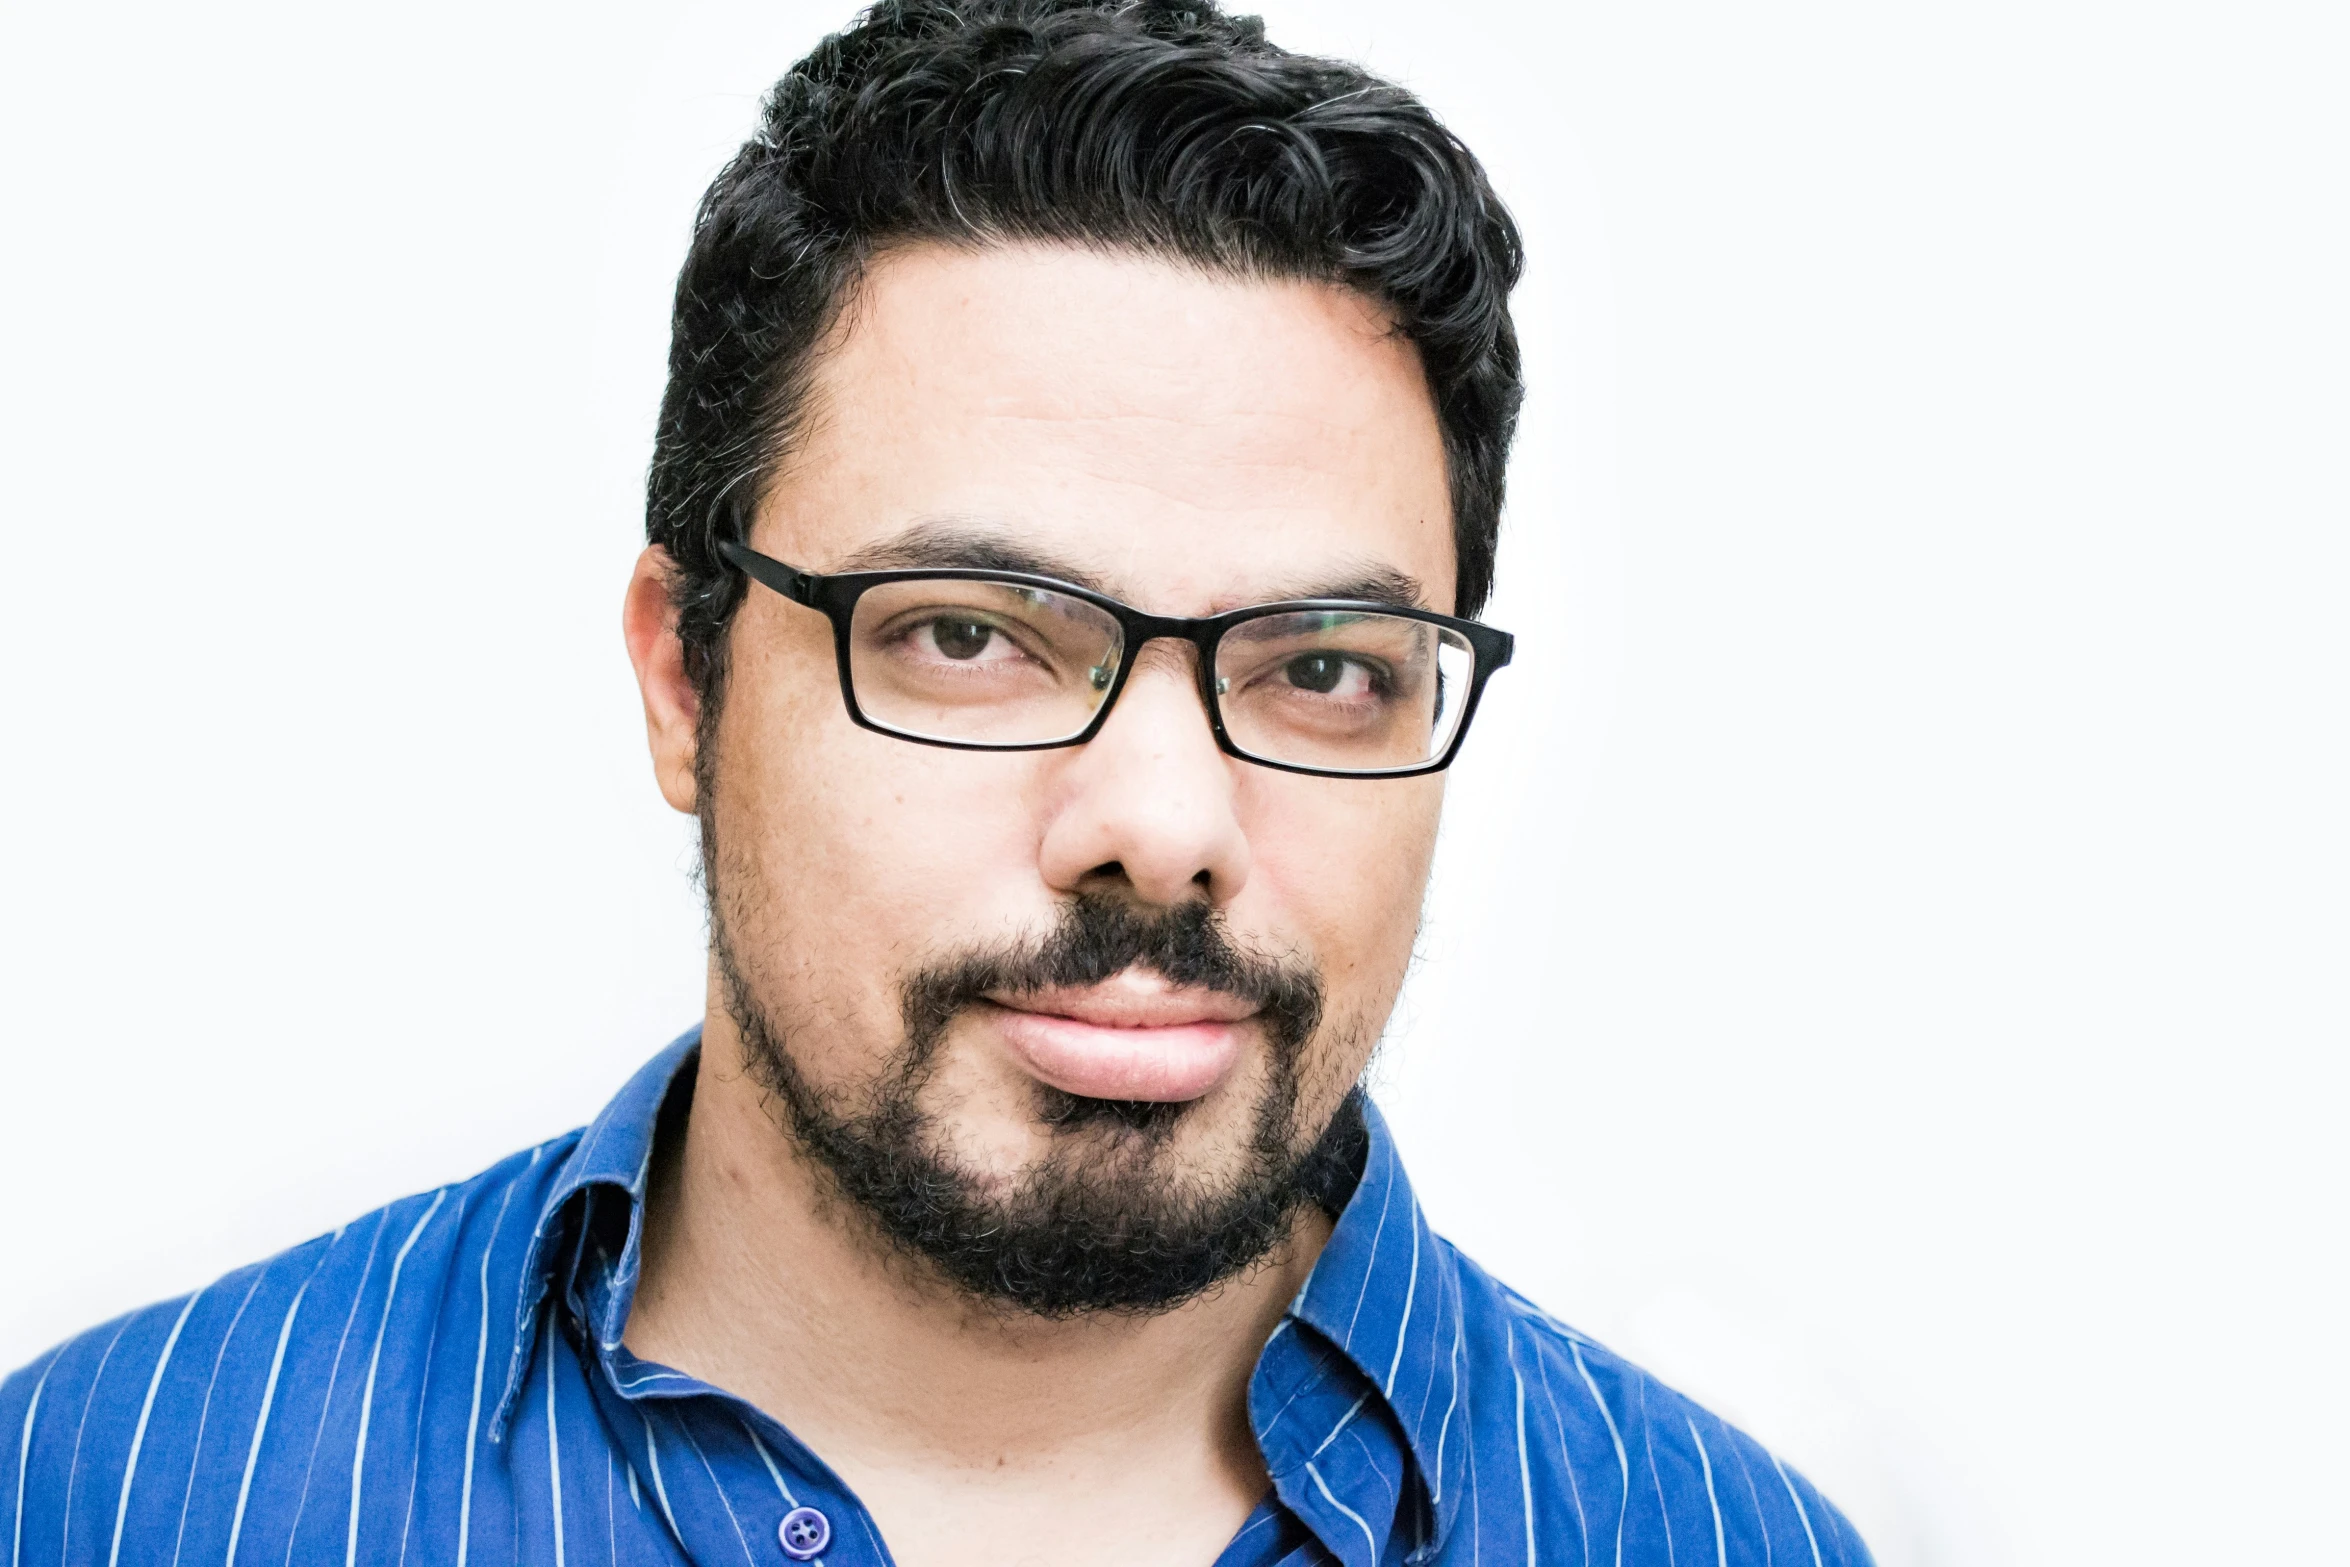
1190 444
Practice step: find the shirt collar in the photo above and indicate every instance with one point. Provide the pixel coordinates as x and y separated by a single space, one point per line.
614 1152
1385 1293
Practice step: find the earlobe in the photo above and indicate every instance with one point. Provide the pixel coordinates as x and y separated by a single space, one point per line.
648 621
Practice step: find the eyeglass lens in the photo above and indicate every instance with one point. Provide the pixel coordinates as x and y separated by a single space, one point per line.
1344 690
996 663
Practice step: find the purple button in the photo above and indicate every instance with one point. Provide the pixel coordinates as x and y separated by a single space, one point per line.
805 1532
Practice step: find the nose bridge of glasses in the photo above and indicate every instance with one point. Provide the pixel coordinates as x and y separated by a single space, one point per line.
1160 643
1174 646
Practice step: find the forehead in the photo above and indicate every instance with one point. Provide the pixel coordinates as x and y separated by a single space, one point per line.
1191 440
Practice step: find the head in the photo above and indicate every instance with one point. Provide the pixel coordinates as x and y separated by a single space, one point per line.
1121 294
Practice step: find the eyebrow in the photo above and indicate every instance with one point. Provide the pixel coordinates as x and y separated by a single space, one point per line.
962 546
1374 585
966 546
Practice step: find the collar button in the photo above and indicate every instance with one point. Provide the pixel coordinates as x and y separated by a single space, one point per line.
804 1533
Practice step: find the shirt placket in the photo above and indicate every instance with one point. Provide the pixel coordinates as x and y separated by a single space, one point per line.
731 1484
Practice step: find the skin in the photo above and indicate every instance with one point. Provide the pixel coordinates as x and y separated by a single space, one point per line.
1193 443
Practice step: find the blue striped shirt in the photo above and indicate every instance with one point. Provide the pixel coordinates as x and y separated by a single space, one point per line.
443 1382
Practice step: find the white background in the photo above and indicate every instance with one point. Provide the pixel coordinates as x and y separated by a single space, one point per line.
1887 969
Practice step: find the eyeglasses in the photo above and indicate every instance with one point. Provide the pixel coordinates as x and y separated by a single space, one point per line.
1005 661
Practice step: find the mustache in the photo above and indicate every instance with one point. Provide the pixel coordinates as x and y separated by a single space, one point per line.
1096 937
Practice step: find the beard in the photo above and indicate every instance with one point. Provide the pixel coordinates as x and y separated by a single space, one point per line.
1111 1218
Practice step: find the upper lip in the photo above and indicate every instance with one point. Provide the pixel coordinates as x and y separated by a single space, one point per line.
1132 999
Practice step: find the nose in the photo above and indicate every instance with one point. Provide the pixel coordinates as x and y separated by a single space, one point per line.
1149 803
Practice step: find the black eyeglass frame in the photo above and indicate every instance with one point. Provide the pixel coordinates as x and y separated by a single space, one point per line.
835 597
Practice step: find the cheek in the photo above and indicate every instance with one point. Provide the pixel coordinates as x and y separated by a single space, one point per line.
847 857
1346 862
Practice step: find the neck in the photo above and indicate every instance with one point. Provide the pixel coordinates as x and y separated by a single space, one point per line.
757 1278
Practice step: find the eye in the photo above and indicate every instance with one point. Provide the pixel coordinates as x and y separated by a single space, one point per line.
960 639
1321 673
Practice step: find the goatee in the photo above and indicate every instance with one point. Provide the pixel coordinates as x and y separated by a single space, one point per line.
1108 1220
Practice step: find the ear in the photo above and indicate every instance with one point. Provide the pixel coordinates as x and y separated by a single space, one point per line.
673 709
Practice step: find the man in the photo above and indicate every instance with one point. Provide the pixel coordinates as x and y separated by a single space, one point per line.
1083 450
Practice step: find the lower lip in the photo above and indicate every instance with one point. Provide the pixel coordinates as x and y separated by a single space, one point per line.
1159 1065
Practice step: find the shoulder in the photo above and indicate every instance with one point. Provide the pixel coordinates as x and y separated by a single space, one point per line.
1581 1450
171 1417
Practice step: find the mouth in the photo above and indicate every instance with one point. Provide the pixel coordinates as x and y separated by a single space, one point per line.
1133 1036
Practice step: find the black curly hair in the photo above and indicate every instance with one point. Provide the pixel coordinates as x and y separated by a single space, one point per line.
1164 126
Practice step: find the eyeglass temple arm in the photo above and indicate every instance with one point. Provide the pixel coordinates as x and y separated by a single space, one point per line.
794 584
